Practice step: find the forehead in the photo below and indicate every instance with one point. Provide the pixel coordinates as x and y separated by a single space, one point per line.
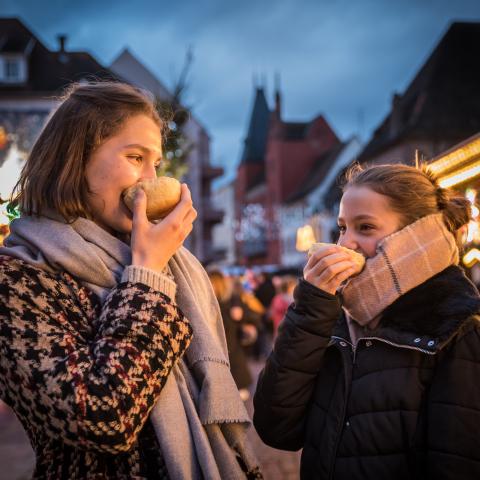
364 201
140 130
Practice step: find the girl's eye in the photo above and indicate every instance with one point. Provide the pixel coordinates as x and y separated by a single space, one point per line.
137 158
342 228
366 227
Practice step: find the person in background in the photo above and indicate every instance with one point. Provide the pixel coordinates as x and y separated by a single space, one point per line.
375 374
240 327
281 301
264 291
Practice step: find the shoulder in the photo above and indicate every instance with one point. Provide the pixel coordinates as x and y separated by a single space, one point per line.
466 341
20 280
14 271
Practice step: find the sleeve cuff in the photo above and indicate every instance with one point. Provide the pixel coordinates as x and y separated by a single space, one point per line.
155 280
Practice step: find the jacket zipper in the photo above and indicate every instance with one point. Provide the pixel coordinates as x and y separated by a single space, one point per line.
399 345
344 410
347 387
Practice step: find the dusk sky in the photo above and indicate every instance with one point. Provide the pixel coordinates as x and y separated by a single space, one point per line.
341 58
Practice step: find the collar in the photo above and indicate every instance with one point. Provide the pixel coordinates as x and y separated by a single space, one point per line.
428 316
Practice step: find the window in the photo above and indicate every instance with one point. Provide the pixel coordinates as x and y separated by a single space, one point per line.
12 69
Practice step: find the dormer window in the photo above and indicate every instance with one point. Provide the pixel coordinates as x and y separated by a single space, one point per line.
13 69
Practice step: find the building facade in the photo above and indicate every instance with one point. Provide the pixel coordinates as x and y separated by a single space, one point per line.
276 158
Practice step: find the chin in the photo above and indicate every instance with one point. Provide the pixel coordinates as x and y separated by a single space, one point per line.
124 227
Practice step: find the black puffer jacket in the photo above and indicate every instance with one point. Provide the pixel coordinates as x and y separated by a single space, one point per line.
402 404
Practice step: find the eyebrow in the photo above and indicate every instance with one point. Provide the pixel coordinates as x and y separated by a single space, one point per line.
360 217
141 147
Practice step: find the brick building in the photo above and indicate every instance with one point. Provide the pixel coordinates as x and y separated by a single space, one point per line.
277 156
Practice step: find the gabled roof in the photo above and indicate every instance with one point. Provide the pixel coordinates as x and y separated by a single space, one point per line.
14 36
256 140
442 101
314 177
48 71
132 69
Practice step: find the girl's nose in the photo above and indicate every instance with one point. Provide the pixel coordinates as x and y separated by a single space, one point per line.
149 171
348 240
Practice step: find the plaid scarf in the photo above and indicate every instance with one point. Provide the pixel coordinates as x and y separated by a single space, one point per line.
404 260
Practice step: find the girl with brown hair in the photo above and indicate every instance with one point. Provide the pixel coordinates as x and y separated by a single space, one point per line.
112 350
375 374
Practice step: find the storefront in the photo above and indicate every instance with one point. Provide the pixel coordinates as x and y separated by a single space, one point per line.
459 168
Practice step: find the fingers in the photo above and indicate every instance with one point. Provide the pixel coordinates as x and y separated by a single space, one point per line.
140 209
328 274
328 268
322 253
330 256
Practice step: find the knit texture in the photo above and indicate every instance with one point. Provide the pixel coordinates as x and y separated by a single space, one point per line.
208 440
82 377
157 281
403 260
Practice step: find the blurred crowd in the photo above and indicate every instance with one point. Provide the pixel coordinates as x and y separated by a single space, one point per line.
253 306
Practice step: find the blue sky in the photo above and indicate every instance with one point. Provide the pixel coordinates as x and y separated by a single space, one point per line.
341 58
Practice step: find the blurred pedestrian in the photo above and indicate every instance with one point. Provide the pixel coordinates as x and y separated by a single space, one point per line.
387 386
281 301
240 327
264 291
112 346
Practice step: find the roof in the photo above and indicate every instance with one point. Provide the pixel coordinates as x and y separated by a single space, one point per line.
132 69
294 130
314 177
14 36
49 71
256 140
442 101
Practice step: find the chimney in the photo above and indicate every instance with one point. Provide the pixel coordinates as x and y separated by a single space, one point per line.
62 39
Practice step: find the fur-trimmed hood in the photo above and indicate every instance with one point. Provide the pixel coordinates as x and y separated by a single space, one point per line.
429 315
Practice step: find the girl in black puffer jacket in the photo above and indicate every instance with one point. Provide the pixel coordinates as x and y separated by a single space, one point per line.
375 375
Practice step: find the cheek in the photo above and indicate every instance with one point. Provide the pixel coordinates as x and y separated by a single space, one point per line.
369 246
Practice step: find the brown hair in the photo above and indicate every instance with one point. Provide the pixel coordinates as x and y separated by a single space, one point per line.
53 176
413 192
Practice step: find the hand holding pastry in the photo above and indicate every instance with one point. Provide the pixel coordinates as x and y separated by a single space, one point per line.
154 244
329 265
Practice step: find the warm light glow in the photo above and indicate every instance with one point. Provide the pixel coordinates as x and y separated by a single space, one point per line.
471 257
305 238
456 158
471 195
460 176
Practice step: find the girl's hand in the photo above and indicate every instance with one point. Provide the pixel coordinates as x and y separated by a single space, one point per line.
328 267
154 244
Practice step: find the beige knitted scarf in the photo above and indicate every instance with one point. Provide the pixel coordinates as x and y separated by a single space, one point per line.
403 261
